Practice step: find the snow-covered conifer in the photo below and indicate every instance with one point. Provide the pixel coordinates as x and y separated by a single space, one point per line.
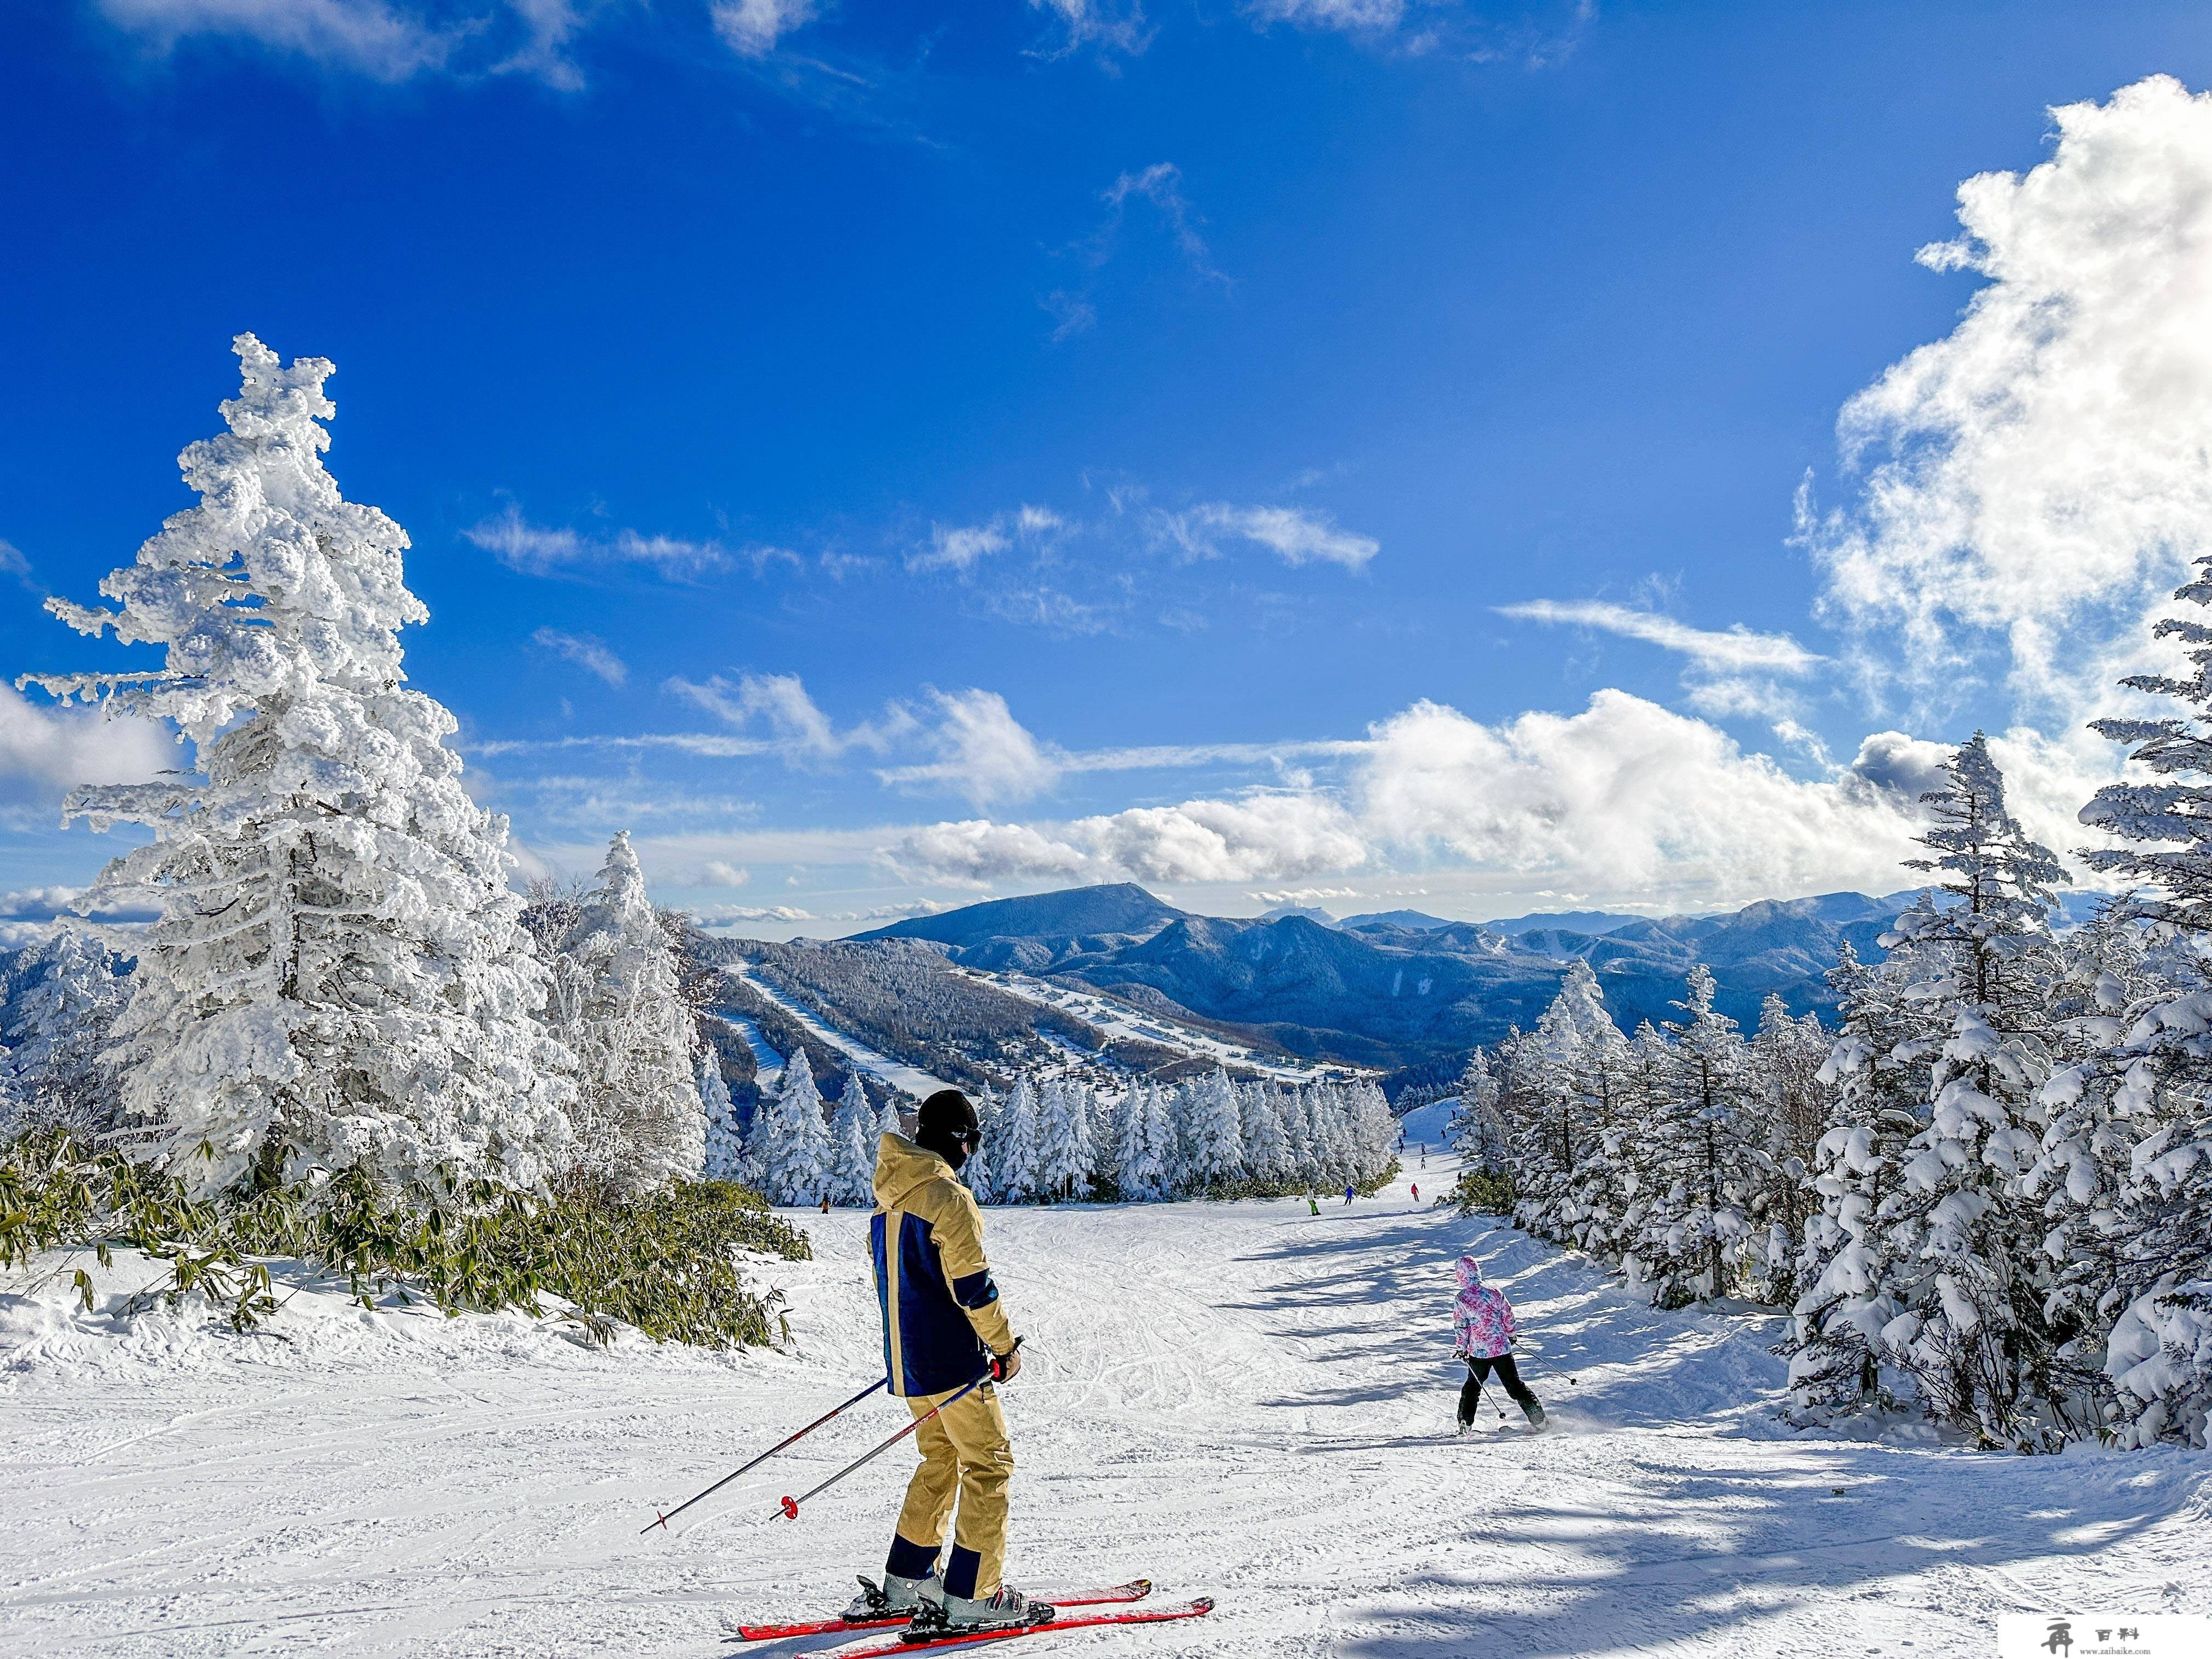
1063 1140
853 1137
2159 1358
616 1005
1968 1268
790 1151
339 977
1266 1148
1696 1239
1014 1174
1212 1146
724 1153
66 993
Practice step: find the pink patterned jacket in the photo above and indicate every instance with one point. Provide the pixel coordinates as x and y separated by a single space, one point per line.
1482 1319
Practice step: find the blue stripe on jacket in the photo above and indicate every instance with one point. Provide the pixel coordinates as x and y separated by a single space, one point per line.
939 1349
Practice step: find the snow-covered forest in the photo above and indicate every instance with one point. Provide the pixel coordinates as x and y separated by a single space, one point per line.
1055 1137
1988 1196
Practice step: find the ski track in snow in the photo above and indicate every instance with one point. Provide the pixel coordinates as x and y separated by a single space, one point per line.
1239 1400
909 1079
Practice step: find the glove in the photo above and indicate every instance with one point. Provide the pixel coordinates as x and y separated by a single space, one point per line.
1003 1366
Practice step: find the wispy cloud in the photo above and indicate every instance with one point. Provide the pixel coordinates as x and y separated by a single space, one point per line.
1092 23
1733 649
1160 185
559 549
587 652
1350 17
798 729
961 548
751 27
372 38
1298 535
721 916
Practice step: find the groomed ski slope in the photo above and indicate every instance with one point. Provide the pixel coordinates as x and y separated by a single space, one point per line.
1238 1400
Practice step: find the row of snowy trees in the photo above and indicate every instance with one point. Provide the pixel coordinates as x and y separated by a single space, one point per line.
1988 1192
1062 1139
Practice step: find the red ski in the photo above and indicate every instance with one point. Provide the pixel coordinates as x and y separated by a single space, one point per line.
1135 1590
894 1645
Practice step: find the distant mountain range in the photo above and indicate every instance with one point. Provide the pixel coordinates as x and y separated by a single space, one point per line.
1401 989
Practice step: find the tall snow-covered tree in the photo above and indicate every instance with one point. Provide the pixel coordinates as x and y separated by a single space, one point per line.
338 978
64 994
2159 1358
1266 1148
1014 1174
1063 1140
790 1151
617 1009
1477 1130
854 1137
1212 1147
1973 1334
725 1148
1146 1146
1697 1236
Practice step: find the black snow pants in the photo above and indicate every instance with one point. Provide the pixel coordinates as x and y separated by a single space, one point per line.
1470 1392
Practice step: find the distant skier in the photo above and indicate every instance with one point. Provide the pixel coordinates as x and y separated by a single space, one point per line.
1483 1331
1347 1192
942 1328
1313 1204
1417 1192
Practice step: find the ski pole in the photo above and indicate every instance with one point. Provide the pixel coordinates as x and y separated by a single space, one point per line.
789 1507
662 1520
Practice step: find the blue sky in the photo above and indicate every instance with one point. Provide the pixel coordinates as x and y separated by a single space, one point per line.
1378 453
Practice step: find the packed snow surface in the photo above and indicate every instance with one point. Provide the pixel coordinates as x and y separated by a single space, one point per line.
1241 1400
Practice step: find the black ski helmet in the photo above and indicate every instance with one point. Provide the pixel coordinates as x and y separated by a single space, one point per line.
947 1125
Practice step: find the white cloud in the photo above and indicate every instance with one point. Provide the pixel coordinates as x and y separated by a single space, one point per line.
37 903
587 652
44 752
1624 796
1089 23
721 873
1308 896
543 54
721 916
983 752
1160 185
751 27
13 563
1349 16
1298 535
2042 478
921 906
1070 313
365 36
1730 650
960 548
549 549
798 731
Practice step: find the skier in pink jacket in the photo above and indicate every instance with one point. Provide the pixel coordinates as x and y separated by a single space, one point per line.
1483 1330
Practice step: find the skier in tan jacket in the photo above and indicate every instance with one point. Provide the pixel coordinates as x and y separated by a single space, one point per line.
944 1327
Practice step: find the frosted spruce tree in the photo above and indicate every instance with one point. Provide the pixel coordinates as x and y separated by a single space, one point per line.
62 996
1788 1057
1212 1146
2159 1357
1063 1140
1146 1147
854 1137
1696 1236
725 1146
616 1005
1853 1261
1266 1148
1968 1265
1014 1176
338 978
790 1152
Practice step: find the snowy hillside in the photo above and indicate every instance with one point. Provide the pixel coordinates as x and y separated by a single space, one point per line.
1239 1400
